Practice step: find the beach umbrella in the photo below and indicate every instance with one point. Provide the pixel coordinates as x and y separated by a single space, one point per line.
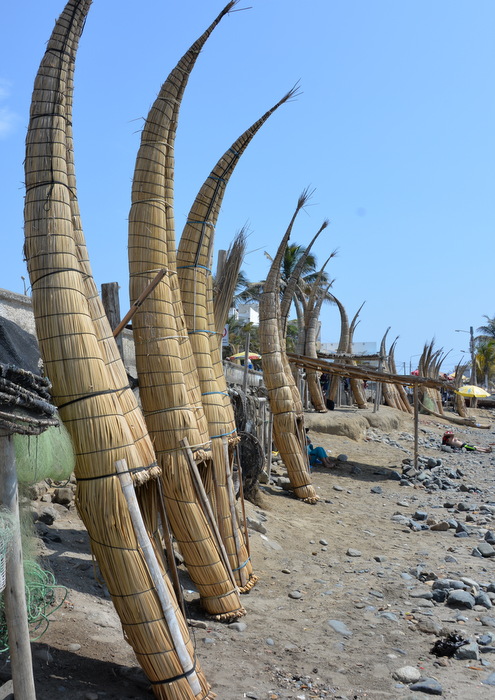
472 391
242 355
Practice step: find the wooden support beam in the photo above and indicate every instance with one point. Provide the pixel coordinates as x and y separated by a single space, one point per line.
156 280
15 591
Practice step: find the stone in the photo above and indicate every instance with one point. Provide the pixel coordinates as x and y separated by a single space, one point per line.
407 674
376 489
468 651
427 685
442 526
490 680
461 599
485 549
256 525
353 552
295 595
340 628
48 515
342 458
483 599
63 496
238 626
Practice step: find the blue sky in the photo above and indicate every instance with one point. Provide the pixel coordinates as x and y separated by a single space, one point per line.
394 129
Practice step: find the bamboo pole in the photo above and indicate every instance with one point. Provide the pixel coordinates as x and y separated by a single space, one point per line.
144 294
198 484
174 574
246 363
156 575
233 514
243 504
416 421
15 592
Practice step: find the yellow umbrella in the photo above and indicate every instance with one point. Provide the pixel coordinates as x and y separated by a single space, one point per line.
241 355
472 391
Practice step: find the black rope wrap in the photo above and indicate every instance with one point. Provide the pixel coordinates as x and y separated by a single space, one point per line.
25 401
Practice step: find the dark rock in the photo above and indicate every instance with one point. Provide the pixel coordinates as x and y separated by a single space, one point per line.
427 685
486 549
483 599
48 515
461 599
420 515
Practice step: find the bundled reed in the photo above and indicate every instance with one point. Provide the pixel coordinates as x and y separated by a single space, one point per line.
168 377
288 420
402 400
194 256
226 279
83 388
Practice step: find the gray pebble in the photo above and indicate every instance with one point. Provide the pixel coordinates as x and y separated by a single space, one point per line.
340 628
342 458
427 685
353 552
486 549
295 595
324 543
407 674
483 599
461 599
270 643
238 626
490 680
468 651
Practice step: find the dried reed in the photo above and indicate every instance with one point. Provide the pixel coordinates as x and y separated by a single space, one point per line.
168 377
288 421
82 386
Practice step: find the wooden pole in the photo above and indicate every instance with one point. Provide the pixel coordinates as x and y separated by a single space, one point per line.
233 513
110 300
138 302
416 421
246 362
15 592
170 550
243 504
156 575
203 498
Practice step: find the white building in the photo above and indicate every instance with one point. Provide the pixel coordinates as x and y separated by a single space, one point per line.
248 313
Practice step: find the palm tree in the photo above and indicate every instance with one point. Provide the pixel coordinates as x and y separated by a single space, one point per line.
485 358
487 331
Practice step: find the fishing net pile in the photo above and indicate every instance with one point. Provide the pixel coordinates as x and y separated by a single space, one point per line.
42 450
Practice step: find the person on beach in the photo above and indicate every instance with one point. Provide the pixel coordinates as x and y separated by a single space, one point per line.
450 439
317 455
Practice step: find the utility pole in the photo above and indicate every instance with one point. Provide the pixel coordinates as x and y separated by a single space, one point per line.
474 401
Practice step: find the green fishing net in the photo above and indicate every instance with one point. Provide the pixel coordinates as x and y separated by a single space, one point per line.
48 455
